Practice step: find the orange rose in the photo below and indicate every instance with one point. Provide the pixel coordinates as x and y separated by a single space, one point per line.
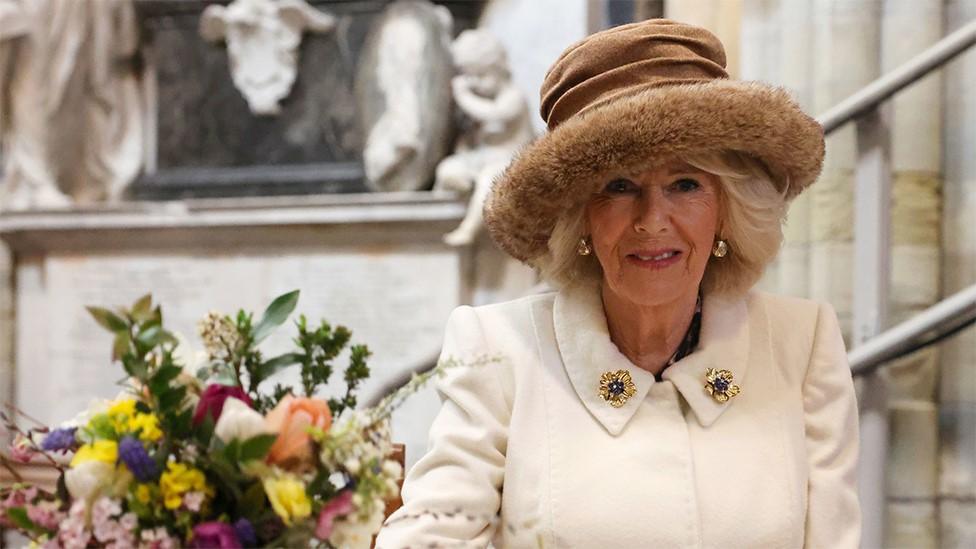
291 419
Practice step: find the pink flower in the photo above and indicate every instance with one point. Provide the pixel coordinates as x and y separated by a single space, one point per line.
71 531
212 401
215 535
45 514
22 450
193 500
335 508
157 539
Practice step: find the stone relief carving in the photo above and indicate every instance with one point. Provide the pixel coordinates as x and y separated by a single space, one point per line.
71 110
262 42
496 124
403 90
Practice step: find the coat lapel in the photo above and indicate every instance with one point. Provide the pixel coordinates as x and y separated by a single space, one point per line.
723 345
587 352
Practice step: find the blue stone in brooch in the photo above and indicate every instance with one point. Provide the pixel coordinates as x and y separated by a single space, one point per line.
718 383
617 387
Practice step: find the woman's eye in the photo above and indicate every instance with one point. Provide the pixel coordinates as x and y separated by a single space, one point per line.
686 185
618 186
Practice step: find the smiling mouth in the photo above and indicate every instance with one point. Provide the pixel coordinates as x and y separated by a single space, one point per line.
654 259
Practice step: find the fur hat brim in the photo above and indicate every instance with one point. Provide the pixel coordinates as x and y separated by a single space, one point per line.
625 135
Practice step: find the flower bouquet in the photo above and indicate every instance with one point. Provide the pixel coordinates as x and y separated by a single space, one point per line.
209 460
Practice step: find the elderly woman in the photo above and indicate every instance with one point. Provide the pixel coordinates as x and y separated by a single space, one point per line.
655 400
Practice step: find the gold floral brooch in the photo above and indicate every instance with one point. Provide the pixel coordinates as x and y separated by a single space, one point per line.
617 387
718 383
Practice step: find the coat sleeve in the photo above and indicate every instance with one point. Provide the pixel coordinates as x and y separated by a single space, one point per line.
451 497
831 424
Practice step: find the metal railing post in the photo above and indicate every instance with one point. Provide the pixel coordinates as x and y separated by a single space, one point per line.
872 200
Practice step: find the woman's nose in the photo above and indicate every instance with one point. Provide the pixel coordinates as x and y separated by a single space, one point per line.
653 212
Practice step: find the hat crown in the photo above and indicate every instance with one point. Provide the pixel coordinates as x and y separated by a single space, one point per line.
627 59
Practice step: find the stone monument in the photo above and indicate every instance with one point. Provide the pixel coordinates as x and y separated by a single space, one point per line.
262 38
72 111
404 90
495 121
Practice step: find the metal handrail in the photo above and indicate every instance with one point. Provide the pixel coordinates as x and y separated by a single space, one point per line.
944 318
905 75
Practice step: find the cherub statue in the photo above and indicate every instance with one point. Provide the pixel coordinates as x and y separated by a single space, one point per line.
496 124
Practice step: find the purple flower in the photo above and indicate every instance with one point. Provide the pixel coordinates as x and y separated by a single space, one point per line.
135 457
245 533
210 535
60 439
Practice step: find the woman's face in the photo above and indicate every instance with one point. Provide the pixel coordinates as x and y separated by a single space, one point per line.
653 233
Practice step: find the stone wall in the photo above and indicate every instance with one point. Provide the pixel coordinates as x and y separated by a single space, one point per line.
957 379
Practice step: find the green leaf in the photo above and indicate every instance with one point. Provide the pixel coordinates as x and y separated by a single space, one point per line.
171 398
275 315
273 365
159 381
142 309
232 451
227 476
253 503
256 447
151 335
18 515
109 320
121 345
167 373
135 368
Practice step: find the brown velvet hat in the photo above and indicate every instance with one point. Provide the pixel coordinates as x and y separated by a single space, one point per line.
622 99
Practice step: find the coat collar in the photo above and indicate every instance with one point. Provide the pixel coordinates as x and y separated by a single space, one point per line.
587 352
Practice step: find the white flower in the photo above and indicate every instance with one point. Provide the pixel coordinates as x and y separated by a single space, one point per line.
352 465
351 533
87 479
239 421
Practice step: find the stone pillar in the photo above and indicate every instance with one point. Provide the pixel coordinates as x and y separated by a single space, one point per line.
846 42
796 74
847 38
908 28
957 386
759 50
722 17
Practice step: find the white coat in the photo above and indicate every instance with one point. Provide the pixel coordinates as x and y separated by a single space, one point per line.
525 452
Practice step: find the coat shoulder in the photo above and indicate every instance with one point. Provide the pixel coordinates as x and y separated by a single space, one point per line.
784 306
516 311
790 323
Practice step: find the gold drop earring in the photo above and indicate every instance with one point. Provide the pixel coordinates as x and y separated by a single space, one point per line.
583 248
720 249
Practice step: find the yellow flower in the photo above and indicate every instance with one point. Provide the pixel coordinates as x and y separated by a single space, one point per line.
101 450
179 479
121 412
148 427
287 496
143 494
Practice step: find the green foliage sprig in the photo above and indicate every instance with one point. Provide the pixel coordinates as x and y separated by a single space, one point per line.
146 351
